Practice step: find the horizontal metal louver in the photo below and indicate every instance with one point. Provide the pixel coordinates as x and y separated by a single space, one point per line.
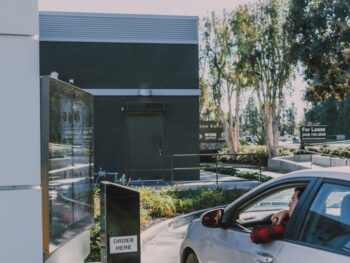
118 28
145 108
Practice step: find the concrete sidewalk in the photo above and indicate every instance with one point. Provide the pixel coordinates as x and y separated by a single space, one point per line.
211 180
164 247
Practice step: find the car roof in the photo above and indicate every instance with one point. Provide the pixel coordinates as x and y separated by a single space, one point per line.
340 173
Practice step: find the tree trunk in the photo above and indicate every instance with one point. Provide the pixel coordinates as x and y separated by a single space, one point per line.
228 133
276 134
269 130
237 123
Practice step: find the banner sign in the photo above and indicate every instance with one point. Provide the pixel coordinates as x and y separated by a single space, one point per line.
313 134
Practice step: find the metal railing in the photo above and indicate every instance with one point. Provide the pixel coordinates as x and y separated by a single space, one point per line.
170 165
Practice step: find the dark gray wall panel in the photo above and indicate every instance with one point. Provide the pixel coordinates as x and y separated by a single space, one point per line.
181 128
116 65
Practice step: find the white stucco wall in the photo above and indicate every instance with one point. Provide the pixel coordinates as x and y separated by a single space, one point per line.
20 192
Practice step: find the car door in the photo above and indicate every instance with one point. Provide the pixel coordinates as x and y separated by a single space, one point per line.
233 244
322 233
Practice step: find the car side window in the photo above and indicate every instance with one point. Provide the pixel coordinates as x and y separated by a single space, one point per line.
327 222
261 210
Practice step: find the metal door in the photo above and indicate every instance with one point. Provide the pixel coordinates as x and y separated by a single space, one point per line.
145 147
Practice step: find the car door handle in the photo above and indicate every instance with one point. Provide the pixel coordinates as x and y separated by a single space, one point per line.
263 257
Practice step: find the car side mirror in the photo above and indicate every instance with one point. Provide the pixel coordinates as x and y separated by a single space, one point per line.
212 218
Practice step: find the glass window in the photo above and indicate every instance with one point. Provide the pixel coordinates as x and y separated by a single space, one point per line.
327 223
261 210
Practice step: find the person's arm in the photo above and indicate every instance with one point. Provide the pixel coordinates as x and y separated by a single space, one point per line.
280 217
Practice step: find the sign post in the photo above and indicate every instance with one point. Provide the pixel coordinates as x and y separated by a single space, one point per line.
120 224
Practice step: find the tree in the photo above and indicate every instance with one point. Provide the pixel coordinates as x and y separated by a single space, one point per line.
320 31
331 112
207 108
264 48
288 123
252 121
222 76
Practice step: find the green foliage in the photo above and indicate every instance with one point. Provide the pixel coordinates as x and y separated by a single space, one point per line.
207 108
169 202
95 241
193 200
95 231
158 203
242 174
288 120
343 151
264 50
249 154
252 122
320 32
335 114
287 151
216 52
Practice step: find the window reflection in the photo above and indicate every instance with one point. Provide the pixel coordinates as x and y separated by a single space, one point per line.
70 162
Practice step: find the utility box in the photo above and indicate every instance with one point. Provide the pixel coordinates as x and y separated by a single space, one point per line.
120 224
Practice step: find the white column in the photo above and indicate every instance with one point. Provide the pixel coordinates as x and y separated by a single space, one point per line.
20 191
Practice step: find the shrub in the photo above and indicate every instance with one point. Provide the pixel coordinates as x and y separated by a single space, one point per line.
242 174
95 230
341 151
193 200
249 154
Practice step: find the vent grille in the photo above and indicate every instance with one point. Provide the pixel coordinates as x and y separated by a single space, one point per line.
145 108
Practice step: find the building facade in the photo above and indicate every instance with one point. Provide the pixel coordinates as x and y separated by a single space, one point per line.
143 71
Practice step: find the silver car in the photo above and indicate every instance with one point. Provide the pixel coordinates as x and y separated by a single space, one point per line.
318 230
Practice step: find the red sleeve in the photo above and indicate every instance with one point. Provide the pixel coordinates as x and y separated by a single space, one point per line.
266 234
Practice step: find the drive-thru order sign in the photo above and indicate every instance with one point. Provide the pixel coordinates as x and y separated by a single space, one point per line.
125 244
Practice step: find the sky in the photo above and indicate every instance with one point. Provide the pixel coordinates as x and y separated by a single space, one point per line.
199 8
164 7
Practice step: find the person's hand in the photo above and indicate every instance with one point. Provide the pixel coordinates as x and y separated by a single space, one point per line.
279 217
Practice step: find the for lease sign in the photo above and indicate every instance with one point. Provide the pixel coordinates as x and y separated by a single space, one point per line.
124 244
316 133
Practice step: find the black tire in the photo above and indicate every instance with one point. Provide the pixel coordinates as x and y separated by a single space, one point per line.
191 258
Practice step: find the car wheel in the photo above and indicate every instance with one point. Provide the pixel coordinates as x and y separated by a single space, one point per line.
191 258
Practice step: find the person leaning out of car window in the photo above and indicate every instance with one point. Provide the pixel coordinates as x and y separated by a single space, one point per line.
266 234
